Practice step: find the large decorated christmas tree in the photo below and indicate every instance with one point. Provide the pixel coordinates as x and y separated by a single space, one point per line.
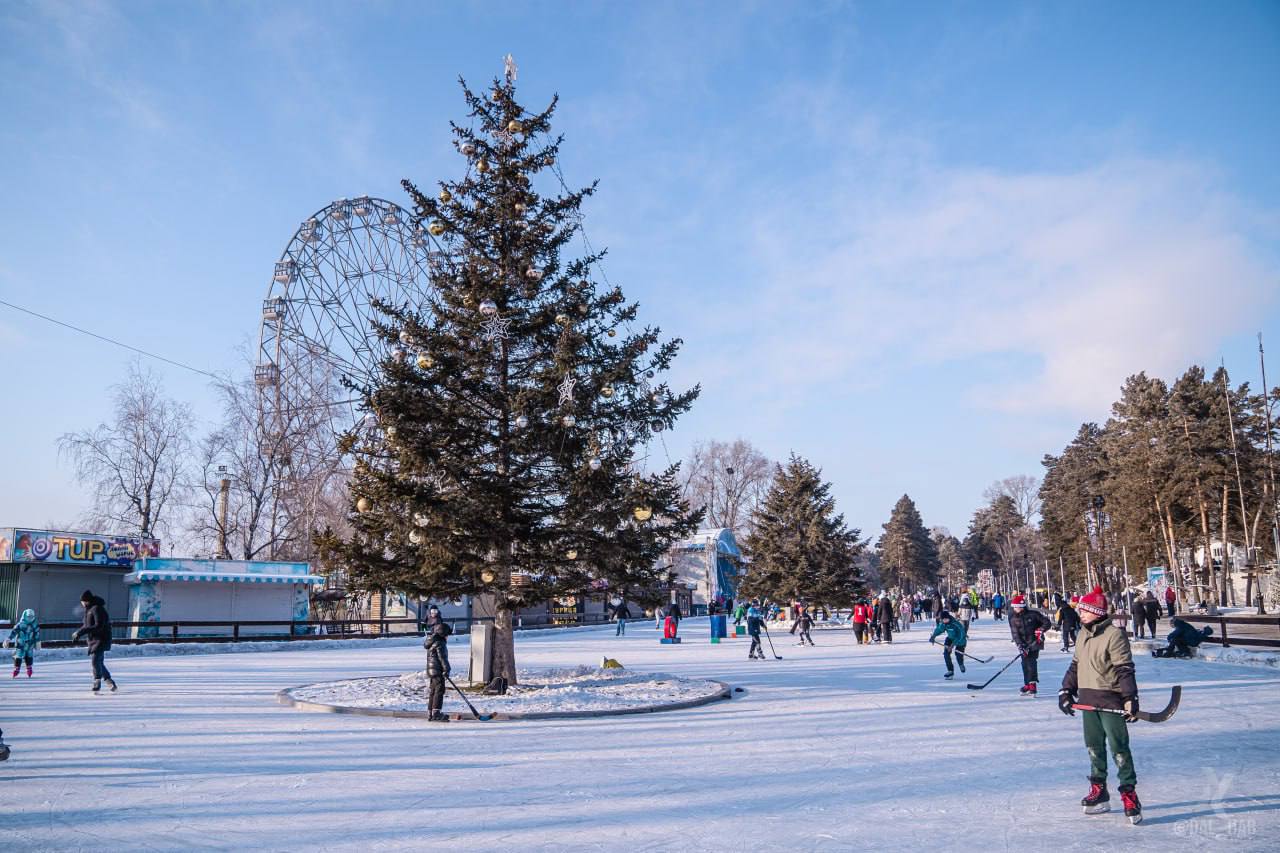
503 454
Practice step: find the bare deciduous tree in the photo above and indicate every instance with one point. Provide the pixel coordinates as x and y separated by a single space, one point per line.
287 476
1023 490
728 479
136 465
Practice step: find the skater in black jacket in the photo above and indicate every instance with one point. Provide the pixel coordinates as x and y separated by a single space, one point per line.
437 668
803 625
1068 624
1028 627
97 631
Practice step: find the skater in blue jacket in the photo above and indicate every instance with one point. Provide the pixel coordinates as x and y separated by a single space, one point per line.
957 639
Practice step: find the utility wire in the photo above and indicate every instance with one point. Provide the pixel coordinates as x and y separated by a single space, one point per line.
111 340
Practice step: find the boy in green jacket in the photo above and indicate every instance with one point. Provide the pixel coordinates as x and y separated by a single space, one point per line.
1101 674
957 638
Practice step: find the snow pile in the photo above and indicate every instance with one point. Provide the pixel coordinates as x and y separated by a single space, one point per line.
151 650
576 690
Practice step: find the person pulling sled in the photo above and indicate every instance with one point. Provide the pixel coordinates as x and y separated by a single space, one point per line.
1101 674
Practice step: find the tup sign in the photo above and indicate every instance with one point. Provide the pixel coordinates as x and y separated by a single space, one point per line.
51 546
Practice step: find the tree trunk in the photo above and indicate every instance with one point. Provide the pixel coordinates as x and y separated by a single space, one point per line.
1224 576
504 645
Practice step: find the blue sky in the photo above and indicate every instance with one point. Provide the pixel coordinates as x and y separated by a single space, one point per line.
918 243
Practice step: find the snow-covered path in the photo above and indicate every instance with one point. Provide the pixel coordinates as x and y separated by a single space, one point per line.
837 747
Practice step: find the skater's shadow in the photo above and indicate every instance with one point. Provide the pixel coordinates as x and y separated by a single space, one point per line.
1216 808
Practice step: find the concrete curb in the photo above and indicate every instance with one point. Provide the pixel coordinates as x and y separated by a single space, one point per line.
285 697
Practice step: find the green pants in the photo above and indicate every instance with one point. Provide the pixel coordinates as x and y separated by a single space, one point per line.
1099 728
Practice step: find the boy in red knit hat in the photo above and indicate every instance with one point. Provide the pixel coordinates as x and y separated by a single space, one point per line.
1028 627
1101 674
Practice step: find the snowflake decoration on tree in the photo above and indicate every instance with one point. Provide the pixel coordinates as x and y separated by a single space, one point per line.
495 329
566 390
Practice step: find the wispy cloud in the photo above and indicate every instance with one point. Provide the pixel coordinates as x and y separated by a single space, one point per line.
89 39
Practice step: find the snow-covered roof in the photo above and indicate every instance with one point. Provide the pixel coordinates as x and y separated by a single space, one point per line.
218 577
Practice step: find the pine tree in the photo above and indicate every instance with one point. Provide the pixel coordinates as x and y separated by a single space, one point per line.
500 455
908 556
799 546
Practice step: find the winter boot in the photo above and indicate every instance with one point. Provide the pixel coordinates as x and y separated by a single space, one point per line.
1098 800
97 685
1132 807
28 670
112 685
438 717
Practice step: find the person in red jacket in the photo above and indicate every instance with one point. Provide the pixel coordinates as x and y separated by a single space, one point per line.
861 616
1170 600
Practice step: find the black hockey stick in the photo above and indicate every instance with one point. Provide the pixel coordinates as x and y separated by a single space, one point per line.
776 656
997 675
484 718
972 657
1145 716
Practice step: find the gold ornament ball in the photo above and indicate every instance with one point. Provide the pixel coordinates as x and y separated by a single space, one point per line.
520 207
436 228
533 273
391 432
562 319
364 505
642 513
425 361
445 196
549 160
606 391
467 149
488 308
420 519
496 96
514 126
583 308
593 463
415 537
521 422
487 576
482 166
613 333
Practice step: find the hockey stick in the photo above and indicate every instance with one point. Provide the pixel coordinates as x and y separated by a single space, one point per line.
769 637
484 718
997 675
1146 716
971 657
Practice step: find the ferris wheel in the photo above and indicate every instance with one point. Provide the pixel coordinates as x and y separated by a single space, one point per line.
316 337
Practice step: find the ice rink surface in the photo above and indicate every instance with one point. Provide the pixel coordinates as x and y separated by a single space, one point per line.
836 747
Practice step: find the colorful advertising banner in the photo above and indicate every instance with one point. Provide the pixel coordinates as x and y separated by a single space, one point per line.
84 549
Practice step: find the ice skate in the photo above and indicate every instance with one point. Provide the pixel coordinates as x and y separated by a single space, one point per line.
1097 801
28 670
1132 806
111 685
949 675
97 686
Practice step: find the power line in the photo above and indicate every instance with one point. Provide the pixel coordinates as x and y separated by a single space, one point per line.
111 340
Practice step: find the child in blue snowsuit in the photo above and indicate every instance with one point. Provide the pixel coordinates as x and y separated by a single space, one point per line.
956 639
24 637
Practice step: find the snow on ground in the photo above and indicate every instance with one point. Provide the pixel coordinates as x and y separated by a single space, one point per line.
540 691
836 747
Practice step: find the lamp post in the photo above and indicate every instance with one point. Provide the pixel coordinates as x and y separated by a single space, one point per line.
224 492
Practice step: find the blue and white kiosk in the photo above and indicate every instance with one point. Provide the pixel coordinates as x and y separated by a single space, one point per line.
708 563
166 590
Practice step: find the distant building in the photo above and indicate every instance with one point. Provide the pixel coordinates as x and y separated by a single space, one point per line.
47 570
